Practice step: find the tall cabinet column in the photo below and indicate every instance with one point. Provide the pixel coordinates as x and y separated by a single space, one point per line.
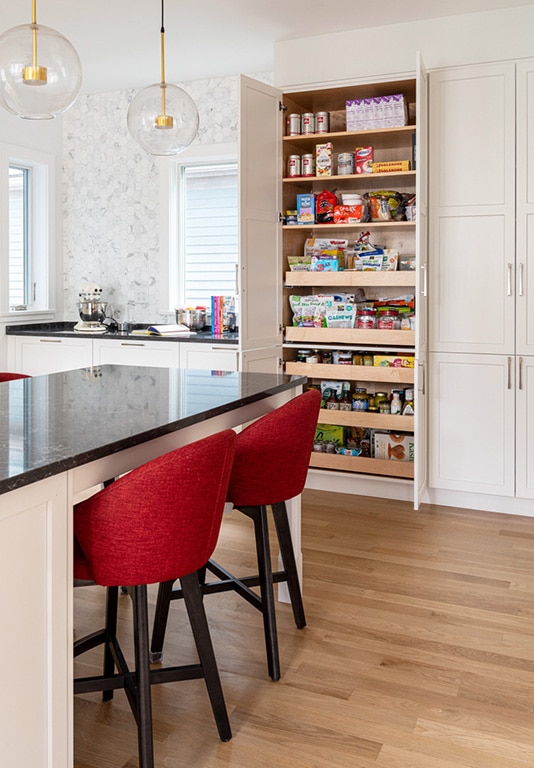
480 322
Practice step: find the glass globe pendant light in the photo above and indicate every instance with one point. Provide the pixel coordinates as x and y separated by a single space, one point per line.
40 72
162 118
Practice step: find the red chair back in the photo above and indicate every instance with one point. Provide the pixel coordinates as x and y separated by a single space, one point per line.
273 454
159 522
5 376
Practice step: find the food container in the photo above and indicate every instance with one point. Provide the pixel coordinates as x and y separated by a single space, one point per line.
194 319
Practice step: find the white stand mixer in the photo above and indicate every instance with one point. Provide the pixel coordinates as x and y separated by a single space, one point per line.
92 311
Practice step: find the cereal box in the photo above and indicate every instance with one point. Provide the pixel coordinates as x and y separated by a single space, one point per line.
364 159
306 209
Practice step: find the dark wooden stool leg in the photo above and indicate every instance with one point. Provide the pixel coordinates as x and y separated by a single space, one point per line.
288 558
199 625
142 670
112 599
161 616
263 551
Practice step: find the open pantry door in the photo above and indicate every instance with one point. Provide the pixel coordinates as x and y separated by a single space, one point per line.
260 164
421 330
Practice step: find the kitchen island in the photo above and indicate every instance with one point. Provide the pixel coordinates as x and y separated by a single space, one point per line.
63 434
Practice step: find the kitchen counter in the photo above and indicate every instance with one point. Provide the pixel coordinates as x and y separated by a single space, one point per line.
53 423
62 435
66 329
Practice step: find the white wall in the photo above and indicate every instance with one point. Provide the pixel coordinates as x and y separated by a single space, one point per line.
388 52
45 136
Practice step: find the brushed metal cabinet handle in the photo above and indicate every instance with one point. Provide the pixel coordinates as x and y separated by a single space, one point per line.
50 341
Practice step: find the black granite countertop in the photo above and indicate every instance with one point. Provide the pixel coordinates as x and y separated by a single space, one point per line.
59 421
66 329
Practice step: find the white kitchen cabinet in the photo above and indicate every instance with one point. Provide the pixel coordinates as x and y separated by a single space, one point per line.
209 356
163 354
472 209
481 255
525 428
472 414
36 355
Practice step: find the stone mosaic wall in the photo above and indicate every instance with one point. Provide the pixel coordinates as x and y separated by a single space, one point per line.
111 197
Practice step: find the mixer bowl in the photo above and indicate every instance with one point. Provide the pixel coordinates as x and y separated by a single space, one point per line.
194 319
92 311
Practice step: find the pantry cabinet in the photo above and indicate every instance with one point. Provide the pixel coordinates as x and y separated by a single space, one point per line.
406 143
481 253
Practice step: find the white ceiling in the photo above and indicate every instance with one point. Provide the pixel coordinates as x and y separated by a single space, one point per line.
118 40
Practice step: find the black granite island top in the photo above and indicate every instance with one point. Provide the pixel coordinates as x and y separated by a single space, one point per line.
66 329
52 423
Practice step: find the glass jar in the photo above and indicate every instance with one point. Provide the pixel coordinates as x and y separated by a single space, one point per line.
368 360
302 355
365 318
360 400
344 357
388 320
357 358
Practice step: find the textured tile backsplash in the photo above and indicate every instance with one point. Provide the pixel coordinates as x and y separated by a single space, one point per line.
111 196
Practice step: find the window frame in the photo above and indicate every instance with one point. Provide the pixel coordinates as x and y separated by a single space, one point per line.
172 213
41 228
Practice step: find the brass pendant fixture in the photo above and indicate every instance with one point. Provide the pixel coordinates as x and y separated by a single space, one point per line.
40 71
163 118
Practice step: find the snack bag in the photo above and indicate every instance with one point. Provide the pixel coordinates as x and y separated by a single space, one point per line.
325 202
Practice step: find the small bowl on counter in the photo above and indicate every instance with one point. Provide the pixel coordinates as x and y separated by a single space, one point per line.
194 319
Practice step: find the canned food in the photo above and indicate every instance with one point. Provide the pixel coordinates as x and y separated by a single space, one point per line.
308 165
322 122
294 124
293 165
345 163
308 123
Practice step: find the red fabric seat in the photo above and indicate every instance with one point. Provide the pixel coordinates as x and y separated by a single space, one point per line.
270 467
5 376
158 523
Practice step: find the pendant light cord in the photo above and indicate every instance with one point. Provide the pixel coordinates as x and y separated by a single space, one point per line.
162 31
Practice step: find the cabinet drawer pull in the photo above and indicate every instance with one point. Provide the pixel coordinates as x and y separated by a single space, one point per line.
509 270
132 344
521 265
509 373
520 373
50 341
425 273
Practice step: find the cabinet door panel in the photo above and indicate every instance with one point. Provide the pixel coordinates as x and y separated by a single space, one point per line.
472 423
36 356
163 354
525 208
473 285
207 357
472 209
525 429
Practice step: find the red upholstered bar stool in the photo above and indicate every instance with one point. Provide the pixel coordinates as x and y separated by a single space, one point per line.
270 467
156 524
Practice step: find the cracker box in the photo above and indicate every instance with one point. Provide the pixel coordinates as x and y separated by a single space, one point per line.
393 446
323 159
306 209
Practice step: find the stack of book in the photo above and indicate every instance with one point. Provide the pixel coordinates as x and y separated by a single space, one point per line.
217 315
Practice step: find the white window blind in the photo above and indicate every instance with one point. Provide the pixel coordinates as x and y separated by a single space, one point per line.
19 181
209 232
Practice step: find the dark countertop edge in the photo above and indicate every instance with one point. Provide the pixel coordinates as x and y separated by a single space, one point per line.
58 467
66 329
